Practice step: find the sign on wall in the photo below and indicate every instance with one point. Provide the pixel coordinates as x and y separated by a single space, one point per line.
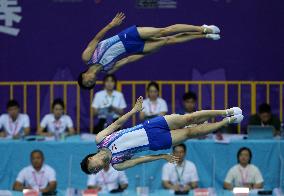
9 17
156 4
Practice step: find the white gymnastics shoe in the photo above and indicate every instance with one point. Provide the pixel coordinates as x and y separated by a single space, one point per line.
236 119
233 111
213 36
214 28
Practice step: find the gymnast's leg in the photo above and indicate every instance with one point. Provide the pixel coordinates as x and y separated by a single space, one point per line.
153 32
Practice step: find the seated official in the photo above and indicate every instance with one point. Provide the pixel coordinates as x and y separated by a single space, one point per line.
14 124
154 105
265 117
37 176
244 174
108 104
108 180
56 123
182 176
189 103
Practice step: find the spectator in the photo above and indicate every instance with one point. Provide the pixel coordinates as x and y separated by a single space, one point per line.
108 104
189 103
108 180
153 105
56 123
244 174
38 176
181 177
265 117
14 124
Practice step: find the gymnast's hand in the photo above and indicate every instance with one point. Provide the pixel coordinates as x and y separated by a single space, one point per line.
171 158
138 105
117 20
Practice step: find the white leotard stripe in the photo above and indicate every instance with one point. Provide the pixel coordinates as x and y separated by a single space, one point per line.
130 140
108 52
112 53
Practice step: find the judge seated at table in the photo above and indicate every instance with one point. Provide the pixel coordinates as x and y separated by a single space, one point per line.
56 123
180 177
244 174
14 125
38 176
153 105
265 117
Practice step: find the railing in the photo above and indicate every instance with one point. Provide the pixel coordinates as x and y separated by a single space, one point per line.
211 94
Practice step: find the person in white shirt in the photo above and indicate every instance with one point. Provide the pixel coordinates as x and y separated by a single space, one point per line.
14 124
244 174
181 176
154 105
108 104
108 180
56 123
38 176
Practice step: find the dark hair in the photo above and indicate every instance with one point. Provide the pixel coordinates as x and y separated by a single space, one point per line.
85 162
241 150
180 145
189 95
58 101
112 76
264 108
12 103
80 82
154 84
37 151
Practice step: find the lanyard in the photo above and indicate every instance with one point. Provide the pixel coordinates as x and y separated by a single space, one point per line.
57 124
244 175
38 182
15 127
112 98
179 175
153 107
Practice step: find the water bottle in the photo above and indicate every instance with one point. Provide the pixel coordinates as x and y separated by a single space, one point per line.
70 192
282 131
22 135
78 192
150 184
57 135
62 136
137 182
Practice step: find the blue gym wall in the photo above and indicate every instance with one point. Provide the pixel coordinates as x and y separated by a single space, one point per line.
53 33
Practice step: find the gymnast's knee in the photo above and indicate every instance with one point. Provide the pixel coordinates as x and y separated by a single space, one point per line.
191 133
189 118
166 31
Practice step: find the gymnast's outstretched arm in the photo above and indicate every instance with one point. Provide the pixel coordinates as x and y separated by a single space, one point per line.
119 122
126 60
144 159
88 52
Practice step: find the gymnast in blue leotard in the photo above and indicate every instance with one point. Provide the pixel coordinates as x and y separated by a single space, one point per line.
118 147
133 44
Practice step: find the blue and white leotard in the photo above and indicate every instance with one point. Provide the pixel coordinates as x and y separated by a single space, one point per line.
107 53
153 134
110 50
125 143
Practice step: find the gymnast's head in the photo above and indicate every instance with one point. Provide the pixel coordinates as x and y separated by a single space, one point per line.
87 79
93 163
